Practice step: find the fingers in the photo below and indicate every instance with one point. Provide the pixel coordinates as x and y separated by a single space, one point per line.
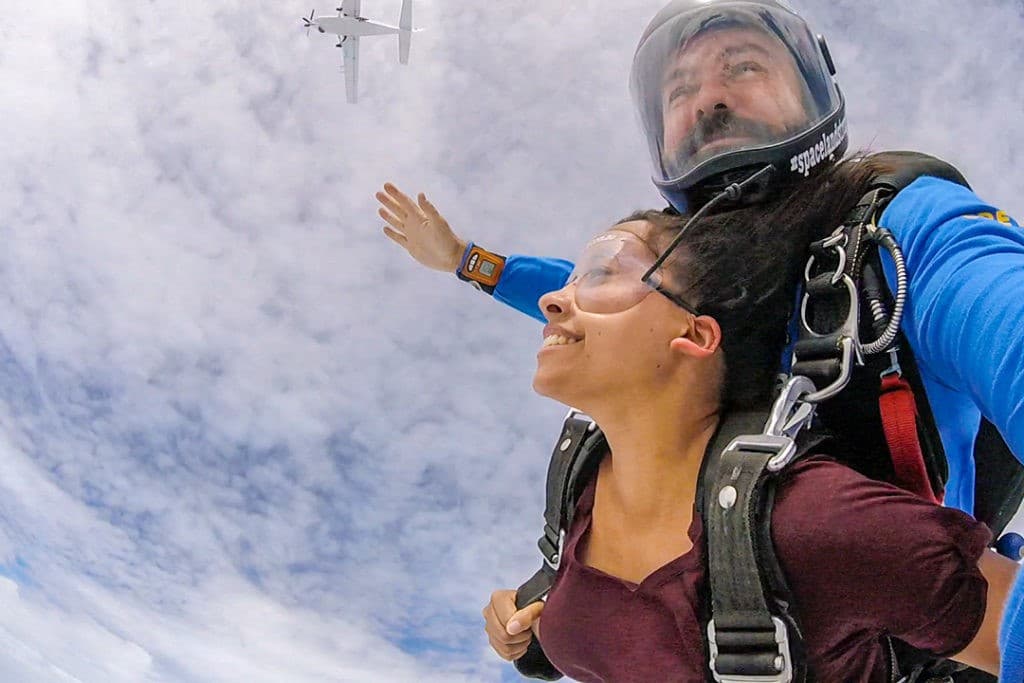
506 646
404 204
521 621
395 236
429 209
499 615
395 221
390 204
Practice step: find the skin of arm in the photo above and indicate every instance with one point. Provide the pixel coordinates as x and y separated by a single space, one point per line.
983 652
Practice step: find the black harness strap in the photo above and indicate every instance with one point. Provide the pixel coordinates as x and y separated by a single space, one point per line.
742 635
752 635
999 479
572 464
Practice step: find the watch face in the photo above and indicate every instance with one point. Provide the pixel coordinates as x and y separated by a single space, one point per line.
487 268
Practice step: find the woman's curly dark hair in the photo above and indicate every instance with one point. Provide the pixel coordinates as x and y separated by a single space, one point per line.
742 267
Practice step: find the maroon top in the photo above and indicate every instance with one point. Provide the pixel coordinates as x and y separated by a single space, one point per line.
862 558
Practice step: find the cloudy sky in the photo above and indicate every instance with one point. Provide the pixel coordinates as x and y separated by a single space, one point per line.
244 437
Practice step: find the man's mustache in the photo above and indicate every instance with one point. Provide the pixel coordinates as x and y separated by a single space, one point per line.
723 124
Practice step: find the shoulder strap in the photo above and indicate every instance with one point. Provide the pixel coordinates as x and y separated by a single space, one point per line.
752 634
573 461
999 479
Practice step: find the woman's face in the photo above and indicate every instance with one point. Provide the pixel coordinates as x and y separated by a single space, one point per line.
608 335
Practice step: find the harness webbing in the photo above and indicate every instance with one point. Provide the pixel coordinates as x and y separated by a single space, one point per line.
578 452
899 420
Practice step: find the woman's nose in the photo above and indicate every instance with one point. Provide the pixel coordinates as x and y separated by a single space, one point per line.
556 303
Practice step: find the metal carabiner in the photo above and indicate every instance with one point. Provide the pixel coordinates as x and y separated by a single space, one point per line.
840 269
849 341
788 414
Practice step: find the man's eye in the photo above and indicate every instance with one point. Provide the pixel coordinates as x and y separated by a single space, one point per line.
744 68
682 91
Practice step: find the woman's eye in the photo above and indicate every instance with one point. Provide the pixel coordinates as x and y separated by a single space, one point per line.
597 274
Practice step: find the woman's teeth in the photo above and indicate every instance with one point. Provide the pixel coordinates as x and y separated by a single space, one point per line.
558 340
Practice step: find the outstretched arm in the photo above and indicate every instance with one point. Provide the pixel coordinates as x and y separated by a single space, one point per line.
420 229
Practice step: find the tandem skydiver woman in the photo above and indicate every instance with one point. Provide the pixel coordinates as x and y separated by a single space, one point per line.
656 369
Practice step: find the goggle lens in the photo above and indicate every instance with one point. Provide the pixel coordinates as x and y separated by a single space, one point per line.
607 277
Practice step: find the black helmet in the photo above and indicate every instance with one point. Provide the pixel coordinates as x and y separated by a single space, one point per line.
725 87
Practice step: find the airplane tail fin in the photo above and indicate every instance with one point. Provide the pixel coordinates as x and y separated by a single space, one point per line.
405 35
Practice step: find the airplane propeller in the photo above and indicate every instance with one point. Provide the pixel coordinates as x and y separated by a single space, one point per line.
309 22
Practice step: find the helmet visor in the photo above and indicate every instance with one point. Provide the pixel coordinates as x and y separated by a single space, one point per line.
727 78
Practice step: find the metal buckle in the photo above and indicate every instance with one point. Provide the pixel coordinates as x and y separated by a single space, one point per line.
791 412
576 412
783 662
556 560
783 448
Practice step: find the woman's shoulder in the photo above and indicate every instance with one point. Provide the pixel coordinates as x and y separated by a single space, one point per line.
867 553
824 501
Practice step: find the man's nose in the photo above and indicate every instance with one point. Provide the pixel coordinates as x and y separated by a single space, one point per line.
712 98
716 107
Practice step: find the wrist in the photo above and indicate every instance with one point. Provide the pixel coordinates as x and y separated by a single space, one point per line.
480 268
459 255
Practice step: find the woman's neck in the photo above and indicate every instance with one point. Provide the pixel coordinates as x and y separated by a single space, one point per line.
656 453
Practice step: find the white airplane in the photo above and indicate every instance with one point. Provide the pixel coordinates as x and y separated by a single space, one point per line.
349 26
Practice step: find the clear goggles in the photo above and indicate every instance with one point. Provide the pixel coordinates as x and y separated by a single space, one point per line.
616 272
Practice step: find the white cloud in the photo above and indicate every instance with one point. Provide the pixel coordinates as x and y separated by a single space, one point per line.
243 437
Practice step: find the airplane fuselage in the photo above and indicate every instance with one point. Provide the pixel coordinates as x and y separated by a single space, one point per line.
350 26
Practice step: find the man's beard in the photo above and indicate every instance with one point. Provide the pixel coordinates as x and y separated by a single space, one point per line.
696 148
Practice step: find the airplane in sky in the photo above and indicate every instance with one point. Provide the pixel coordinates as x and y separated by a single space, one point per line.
349 26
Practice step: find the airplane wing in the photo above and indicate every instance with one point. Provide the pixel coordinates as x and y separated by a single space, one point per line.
351 50
350 8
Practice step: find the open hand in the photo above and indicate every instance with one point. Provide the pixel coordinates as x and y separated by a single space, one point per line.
419 229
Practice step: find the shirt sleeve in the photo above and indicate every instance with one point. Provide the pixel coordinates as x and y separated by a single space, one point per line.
864 556
525 279
965 310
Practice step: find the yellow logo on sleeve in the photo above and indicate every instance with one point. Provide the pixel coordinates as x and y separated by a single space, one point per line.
1000 216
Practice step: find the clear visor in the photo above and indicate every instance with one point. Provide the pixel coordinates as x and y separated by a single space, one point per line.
608 277
730 77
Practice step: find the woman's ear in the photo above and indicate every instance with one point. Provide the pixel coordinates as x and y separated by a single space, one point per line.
700 339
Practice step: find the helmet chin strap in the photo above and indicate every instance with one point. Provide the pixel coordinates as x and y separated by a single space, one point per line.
742 186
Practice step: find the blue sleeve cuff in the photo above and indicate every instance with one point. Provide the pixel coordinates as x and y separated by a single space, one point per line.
1011 635
526 278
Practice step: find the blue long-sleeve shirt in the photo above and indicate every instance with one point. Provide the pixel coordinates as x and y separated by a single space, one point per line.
964 315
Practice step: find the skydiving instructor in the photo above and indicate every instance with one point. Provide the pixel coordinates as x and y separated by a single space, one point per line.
725 88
